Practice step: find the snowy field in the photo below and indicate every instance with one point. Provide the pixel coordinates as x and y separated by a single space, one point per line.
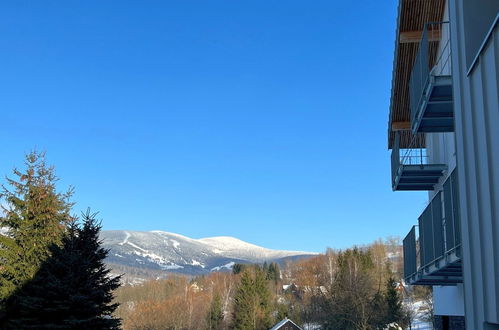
419 322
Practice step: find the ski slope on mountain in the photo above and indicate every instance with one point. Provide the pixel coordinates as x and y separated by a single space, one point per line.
177 253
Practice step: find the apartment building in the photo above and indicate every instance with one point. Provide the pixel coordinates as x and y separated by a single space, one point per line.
443 133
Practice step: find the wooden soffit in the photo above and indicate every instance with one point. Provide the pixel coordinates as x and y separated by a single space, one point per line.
412 17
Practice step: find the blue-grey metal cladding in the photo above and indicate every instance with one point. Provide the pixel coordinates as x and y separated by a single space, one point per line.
452 220
410 263
476 110
438 234
450 233
455 208
426 237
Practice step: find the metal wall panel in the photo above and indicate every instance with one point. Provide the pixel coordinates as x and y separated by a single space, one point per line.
437 226
476 105
426 232
455 207
450 240
410 263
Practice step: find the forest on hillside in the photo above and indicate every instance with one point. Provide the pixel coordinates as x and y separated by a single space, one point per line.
357 288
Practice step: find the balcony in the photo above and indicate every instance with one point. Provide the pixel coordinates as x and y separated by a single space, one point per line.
430 85
434 256
411 170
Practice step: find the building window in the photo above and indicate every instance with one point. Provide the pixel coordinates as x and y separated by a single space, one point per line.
479 15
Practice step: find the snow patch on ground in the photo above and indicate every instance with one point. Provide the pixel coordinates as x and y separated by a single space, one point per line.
159 260
197 263
227 266
234 247
175 243
419 308
126 239
136 246
171 266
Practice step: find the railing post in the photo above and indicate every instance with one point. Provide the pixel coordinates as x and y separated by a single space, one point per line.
395 158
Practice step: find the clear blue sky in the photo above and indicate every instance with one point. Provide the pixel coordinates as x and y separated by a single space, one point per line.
263 120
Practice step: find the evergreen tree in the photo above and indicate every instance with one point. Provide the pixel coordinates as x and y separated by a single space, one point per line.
36 216
379 311
273 272
264 306
252 302
349 303
265 268
238 268
72 289
215 314
393 303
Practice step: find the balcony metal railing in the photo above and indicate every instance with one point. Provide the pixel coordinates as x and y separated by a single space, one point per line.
430 84
411 169
409 156
436 251
452 220
410 253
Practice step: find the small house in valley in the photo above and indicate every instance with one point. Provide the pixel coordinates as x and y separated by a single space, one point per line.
286 324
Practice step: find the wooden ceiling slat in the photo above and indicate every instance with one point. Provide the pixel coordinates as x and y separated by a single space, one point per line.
414 14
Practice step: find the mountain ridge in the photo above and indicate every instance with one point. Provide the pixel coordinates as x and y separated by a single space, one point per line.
170 252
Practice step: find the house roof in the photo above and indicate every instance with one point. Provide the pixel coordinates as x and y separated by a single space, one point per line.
283 322
412 17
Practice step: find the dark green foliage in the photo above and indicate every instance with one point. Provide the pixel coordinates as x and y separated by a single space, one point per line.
273 273
349 304
252 309
36 216
265 267
215 314
72 289
282 311
355 300
238 268
393 303
380 311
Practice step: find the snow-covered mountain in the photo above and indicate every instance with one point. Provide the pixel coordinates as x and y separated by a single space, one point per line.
162 251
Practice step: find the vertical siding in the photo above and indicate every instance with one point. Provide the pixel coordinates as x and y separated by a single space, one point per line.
440 147
476 104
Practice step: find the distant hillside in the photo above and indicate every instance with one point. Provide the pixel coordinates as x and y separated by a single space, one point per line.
151 254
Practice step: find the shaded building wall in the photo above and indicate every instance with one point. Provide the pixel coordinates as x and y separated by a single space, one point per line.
449 322
477 151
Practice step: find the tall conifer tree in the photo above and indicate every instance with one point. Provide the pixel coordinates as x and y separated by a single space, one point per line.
73 288
252 302
36 216
215 314
393 303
